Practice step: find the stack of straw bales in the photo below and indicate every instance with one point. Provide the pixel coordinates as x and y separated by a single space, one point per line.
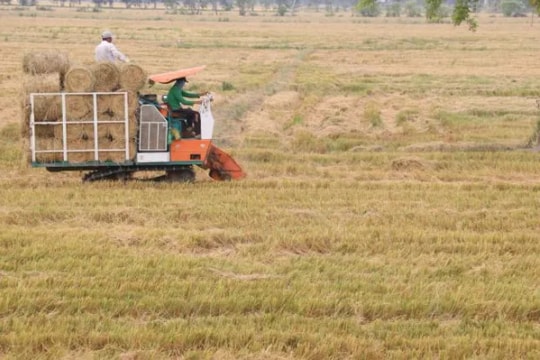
110 131
111 110
105 77
44 72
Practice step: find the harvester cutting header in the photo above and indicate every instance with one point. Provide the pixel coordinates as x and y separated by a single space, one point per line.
113 134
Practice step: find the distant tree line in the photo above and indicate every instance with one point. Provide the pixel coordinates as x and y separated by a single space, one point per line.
244 7
433 10
460 11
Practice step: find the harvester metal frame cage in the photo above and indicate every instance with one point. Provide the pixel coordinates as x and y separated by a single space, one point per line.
93 120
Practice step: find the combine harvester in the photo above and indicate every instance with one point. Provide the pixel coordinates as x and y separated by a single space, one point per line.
139 137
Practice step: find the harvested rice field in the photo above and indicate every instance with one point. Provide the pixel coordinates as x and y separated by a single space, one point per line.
390 208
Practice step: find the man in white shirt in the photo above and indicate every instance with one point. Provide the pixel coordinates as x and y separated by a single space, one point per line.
106 51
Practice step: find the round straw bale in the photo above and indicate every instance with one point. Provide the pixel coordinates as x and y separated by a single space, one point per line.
132 149
133 124
45 139
107 76
79 107
48 143
80 142
111 132
79 79
79 136
80 157
132 77
111 138
103 105
114 156
45 62
132 100
50 157
111 106
46 83
46 108
43 131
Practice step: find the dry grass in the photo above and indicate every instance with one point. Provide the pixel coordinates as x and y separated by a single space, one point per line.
390 209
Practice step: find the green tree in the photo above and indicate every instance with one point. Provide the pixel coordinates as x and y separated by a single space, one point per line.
462 13
368 8
463 10
242 7
535 4
432 10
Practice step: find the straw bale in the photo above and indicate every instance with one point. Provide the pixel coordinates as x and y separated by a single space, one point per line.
112 136
45 83
132 77
46 108
45 139
80 142
80 157
103 104
79 107
78 137
46 131
51 156
79 79
46 62
107 76
132 133
133 124
111 107
133 102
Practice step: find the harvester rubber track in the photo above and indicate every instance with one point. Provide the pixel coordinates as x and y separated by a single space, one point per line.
176 174
182 175
108 174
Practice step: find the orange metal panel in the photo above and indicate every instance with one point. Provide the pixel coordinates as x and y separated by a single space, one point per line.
222 166
189 150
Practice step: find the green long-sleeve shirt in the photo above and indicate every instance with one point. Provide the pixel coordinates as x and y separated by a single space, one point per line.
177 96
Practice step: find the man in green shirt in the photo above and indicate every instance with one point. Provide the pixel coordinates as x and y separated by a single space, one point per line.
177 97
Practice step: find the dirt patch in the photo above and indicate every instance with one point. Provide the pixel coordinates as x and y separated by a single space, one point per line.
410 163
